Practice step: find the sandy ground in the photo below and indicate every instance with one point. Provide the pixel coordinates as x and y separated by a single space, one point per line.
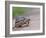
34 22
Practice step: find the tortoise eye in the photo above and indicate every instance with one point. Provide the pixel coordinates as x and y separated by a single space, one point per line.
19 25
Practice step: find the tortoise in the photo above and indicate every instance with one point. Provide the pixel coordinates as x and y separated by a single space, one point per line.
22 23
